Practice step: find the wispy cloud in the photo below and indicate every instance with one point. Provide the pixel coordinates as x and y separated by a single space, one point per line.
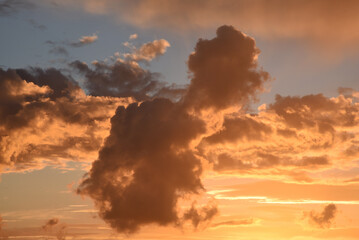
84 40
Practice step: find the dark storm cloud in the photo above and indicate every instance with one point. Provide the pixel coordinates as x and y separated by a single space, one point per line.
148 164
323 219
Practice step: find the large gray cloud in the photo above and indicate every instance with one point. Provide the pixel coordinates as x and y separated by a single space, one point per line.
148 163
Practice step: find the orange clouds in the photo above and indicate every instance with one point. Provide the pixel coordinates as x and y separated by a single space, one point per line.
47 118
161 139
149 51
294 136
85 40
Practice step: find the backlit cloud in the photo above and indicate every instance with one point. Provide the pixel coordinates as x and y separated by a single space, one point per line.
50 223
148 163
323 219
85 40
294 136
149 51
45 117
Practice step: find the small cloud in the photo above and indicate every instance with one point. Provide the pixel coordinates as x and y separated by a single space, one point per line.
37 25
133 36
85 40
323 219
148 51
235 223
50 223
59 50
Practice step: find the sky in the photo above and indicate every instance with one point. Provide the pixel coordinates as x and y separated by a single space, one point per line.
179 119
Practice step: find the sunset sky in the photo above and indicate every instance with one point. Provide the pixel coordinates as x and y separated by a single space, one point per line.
179 119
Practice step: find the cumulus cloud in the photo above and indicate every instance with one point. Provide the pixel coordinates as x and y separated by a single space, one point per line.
148 163
145 165
84 40
224 71
45 117
323 219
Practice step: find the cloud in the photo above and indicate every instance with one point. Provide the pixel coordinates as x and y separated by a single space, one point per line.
294 136
200 216
145 166
59 47
37 25
323 219
224 71
59 50
46 118
9 7
125 78
235 223
149 51
133 36
148 163
330 25
85 40
53 224
50 223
